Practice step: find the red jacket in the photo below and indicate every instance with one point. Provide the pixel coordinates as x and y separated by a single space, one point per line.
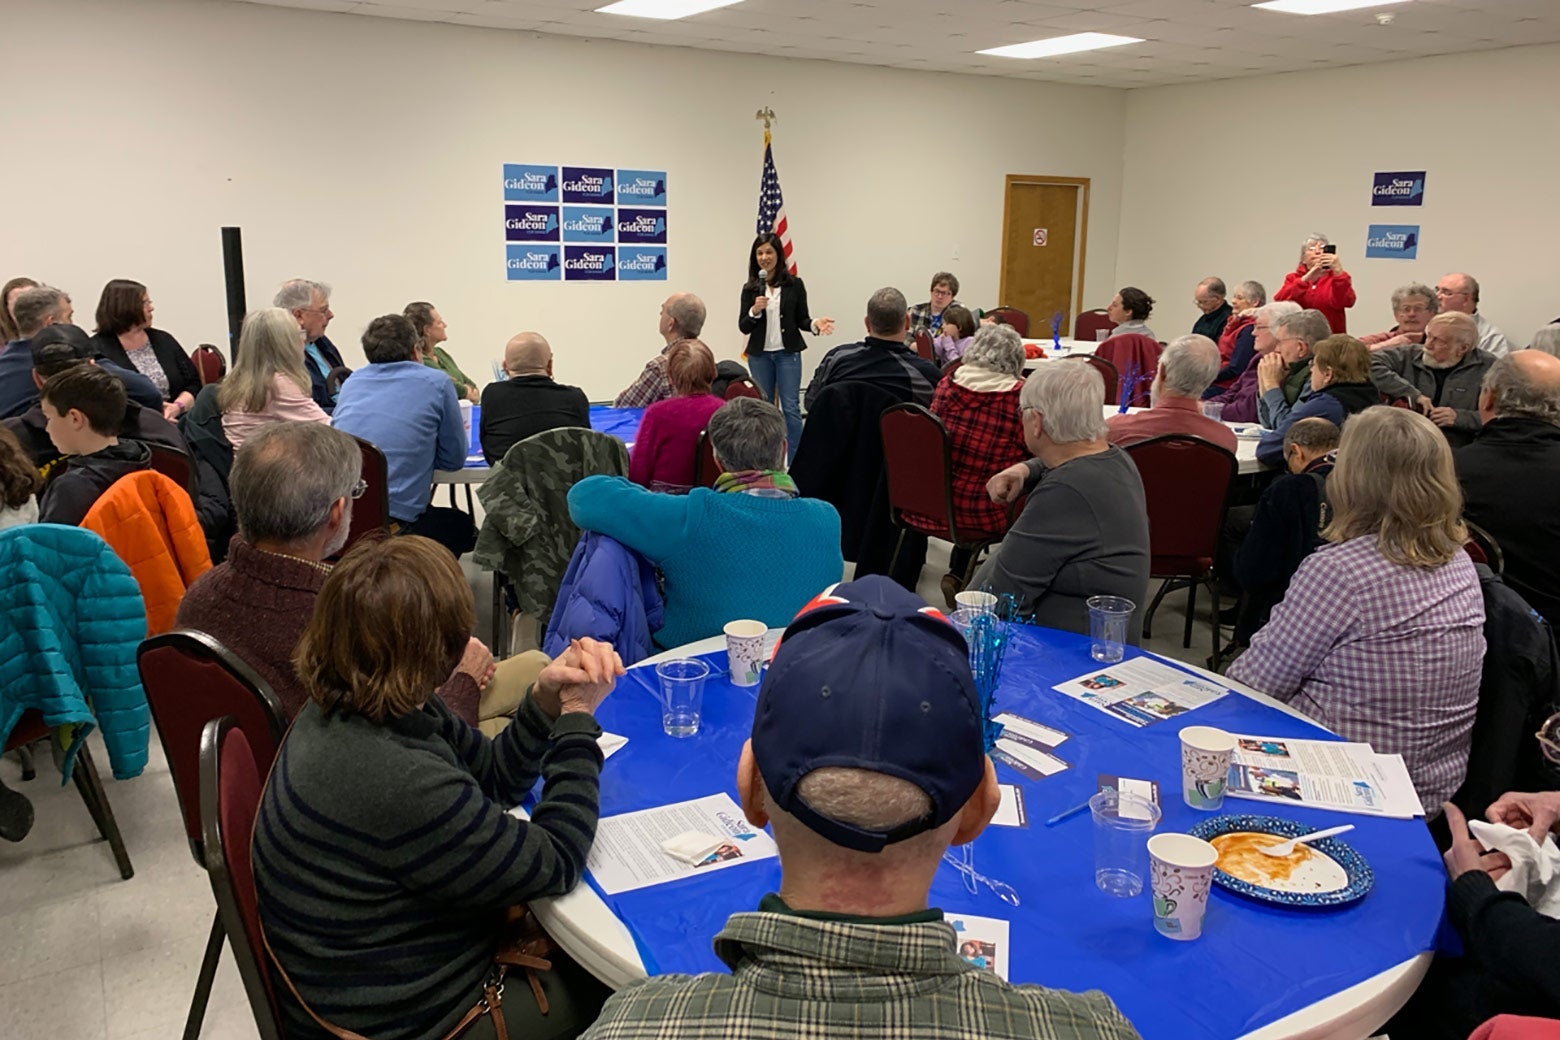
1227 337
987 438
1330 294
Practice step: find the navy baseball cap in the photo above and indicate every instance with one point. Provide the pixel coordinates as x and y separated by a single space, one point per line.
867 676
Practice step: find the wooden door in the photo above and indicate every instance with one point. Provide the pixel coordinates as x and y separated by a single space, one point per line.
1045 226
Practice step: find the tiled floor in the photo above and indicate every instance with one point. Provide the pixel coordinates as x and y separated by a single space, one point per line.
90 957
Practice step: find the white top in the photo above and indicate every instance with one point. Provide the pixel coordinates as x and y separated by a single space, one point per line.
772 328
1490 336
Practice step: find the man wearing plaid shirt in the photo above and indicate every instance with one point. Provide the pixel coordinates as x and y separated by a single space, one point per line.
866 673
682 317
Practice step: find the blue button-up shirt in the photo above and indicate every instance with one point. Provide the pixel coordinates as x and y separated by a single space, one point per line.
409 412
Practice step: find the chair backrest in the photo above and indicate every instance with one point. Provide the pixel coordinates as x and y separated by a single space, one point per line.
371 510
923 345
1186 483
1014 317
1107 372
190 679
210 365
705 468
230 790
1136 355
176 465
335 377
1482 547
1087 325
918 459
743 388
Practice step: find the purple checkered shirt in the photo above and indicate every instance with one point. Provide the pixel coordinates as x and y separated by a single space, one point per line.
1380 653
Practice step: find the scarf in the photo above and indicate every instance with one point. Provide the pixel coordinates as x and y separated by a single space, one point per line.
766 483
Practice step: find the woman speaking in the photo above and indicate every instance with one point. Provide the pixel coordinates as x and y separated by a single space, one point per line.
774 313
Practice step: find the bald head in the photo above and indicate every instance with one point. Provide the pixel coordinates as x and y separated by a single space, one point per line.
1524 384
528 355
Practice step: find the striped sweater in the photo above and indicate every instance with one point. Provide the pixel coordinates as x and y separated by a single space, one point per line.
384 857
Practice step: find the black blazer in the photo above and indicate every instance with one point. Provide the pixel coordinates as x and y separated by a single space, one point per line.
176 364
794 318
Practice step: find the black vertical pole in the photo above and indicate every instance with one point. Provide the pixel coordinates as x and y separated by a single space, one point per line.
233 274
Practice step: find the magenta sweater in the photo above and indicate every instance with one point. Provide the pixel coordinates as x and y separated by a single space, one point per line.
663 454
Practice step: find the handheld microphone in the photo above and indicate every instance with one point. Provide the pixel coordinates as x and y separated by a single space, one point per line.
763 275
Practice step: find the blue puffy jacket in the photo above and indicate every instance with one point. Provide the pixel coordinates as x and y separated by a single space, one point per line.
71 618
608 593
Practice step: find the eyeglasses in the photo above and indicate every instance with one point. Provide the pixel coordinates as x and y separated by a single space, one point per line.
1450 292
1549 737
942 291
359 488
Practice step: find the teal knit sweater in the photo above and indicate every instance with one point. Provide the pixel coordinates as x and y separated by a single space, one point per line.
384 857
724 556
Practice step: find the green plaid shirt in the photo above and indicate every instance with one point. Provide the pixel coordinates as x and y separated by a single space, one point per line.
797 978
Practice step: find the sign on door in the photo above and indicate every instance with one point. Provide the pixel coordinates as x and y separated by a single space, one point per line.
1040 236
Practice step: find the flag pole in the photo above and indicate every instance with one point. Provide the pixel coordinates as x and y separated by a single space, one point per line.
767 114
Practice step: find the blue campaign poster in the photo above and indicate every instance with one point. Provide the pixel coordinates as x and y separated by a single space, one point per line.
1392 241
584 223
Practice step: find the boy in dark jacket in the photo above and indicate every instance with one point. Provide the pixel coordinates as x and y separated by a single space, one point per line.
83 408
1287 525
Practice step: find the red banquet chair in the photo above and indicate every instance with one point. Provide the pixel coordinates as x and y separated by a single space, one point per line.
1014 317
1186 482
209 363
743 388
1482 547
31 728
1107 372
705 468
230 789
371 509
923 345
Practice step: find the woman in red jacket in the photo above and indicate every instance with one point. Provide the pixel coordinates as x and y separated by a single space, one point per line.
1320 282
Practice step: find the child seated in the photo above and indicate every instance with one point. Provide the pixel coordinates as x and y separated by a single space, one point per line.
958 330
84 408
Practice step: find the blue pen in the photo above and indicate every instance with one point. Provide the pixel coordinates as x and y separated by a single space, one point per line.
1066 814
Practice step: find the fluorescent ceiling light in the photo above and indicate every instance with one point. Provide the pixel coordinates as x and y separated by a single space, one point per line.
1089 41
664 9
1322 6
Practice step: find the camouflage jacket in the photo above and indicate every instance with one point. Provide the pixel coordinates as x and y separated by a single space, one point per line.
527 534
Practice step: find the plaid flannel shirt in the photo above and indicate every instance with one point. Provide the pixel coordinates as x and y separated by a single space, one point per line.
921 319
1381 653
987 437
651 386
799 978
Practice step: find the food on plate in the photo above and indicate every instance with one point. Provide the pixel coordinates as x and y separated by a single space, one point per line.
1241 856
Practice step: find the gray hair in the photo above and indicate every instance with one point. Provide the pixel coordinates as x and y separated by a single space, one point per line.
1214 285
1516 396
1254 291
746 433
1547 339
1070 397
999 348
1313 434
297 294
1424 292
1472 289
33 306
1188 365
1277 309
286 477
862 798
1309 325
1316 238
687 312
886 312
1462 326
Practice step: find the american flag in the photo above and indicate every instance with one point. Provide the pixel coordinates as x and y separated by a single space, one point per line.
771 206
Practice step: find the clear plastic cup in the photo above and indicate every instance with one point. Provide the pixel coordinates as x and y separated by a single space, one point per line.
1122 824
982 602
1214 410
682 695
1109 617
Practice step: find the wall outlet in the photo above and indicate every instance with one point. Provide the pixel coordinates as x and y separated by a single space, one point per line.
955 251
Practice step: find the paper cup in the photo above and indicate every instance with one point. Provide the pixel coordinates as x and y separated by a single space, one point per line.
465 417
985 602
1180 871
1205 766
745 651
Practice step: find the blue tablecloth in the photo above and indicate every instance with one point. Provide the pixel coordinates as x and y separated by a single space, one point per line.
622 423
1253 965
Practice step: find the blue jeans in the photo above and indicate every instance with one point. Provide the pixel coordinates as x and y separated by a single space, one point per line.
775 368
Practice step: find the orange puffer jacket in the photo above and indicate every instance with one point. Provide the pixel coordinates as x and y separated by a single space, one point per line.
151 525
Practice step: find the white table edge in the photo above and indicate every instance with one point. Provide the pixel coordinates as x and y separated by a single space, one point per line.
583 924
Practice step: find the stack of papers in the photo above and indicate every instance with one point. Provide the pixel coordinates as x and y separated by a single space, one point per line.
1142 691
1322 774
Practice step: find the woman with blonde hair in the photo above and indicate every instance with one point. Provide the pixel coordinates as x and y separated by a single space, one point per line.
1380 636
268 382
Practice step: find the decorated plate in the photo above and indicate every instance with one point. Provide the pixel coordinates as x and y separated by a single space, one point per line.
1326 874
1248 433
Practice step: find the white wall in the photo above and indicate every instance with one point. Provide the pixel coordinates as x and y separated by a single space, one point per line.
1201 199
367 153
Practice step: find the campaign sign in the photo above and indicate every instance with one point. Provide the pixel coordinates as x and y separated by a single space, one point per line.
641 263
588 263
530 183
1392 241
589 184
533 263
641 187
527 223
641 225
587 224
1398 189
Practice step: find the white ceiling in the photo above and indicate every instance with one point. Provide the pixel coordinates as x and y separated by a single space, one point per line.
1186 40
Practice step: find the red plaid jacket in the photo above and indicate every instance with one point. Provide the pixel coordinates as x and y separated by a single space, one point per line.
987 437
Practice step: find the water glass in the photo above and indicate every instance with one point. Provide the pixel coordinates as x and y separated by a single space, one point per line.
1122 824
980 602
682 695
1108 620
1101 335
1213 410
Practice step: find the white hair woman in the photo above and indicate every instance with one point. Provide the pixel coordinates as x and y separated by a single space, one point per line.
1320 282
1413 306
268 382
1380 636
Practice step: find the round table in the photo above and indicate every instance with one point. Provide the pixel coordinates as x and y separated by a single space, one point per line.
1257 972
